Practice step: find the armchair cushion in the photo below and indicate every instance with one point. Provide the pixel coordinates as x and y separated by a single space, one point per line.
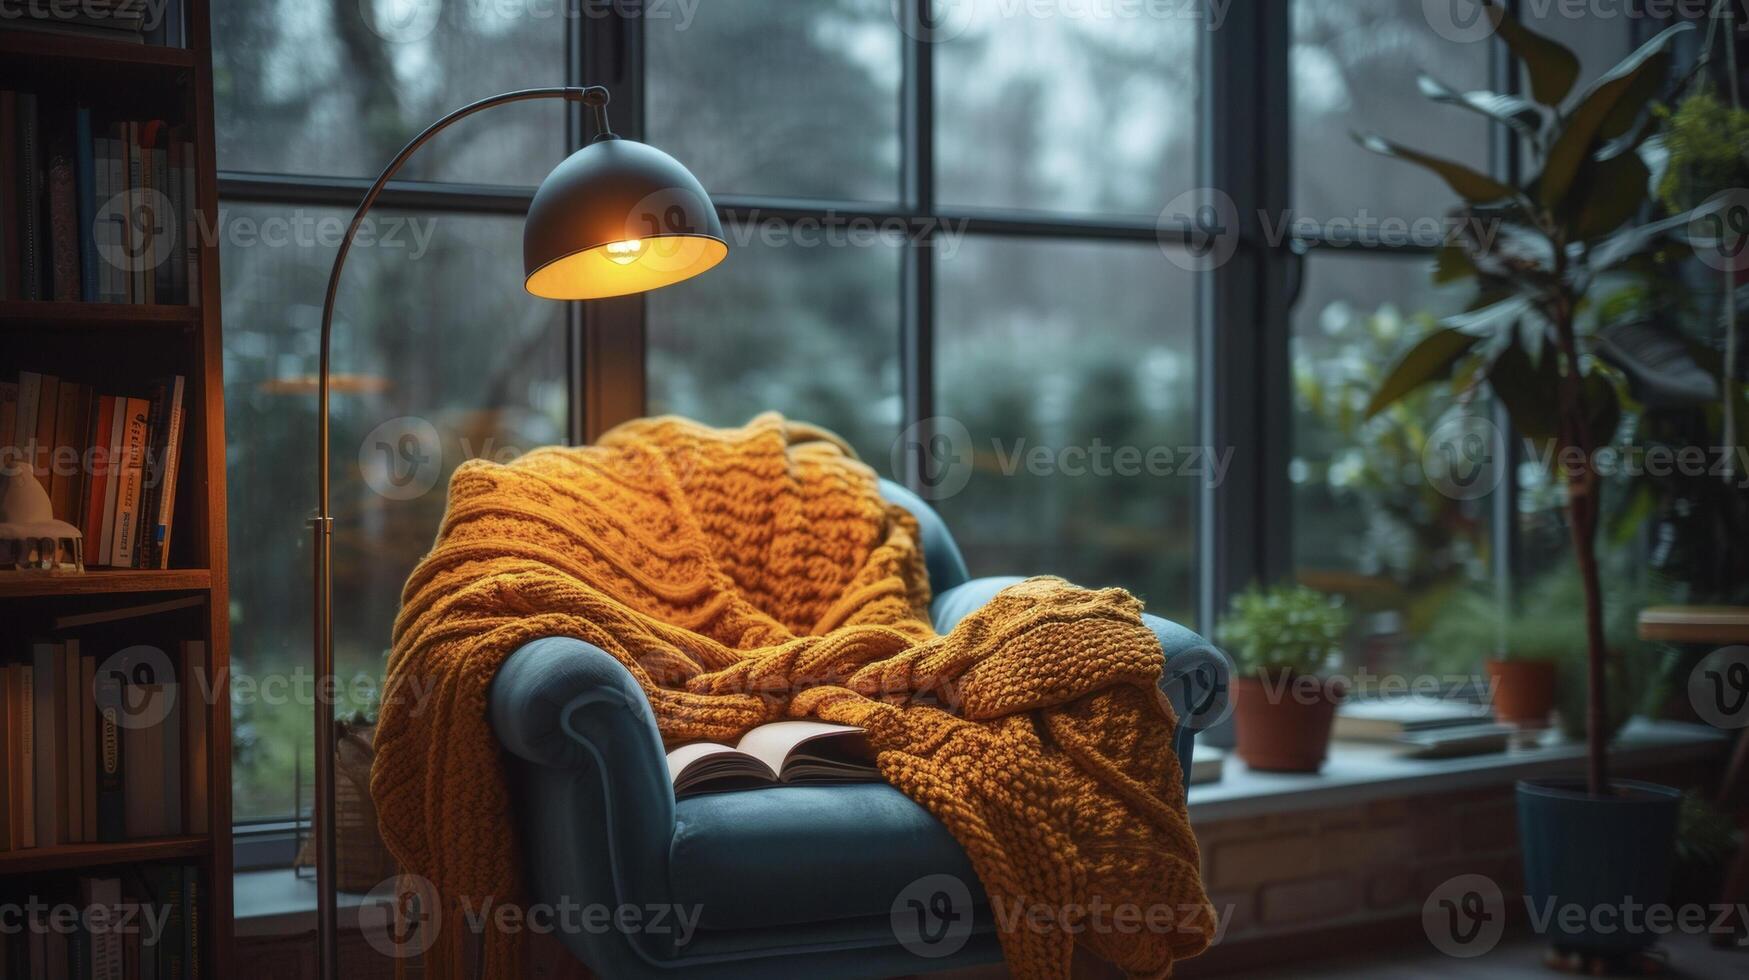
796 854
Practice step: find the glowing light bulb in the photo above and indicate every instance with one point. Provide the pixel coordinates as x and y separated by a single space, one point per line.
625 253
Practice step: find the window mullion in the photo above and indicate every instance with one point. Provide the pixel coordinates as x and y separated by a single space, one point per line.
614 330
917 301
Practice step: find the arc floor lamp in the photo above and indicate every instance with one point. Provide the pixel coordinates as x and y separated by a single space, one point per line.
614 218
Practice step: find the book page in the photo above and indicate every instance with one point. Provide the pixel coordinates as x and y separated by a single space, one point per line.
773 743
695 754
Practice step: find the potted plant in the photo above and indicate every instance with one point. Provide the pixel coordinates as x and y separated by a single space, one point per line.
1535 250
1282 639
1519 654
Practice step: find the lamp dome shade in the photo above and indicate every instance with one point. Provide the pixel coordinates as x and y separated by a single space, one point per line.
618 217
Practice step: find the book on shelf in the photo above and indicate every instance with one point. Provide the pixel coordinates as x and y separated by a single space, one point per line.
133 923
1207 764
1390 719
780 753
107 462
96 749
95 210
158 23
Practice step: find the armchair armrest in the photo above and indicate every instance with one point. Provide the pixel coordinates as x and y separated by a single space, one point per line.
1196 675
590 769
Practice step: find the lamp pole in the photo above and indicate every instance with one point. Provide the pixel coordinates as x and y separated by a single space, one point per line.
322 525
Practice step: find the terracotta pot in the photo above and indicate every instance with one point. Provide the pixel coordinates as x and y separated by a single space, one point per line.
1524 691
1284 721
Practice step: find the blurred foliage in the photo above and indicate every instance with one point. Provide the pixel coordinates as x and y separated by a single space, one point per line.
1416 542
1708 146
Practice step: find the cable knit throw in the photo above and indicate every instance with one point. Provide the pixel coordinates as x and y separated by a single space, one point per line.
750 575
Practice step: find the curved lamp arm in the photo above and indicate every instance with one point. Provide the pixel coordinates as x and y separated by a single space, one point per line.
596 98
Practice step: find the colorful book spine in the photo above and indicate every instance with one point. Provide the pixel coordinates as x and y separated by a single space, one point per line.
170 461
63 228
49 792
29 170
127 503
85 150
111 766
10 246
112 483
24 689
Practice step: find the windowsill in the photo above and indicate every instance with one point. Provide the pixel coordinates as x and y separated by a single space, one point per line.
1358 772
278 903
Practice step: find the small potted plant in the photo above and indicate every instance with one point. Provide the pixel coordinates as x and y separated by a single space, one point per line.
1283 639
1519 653
1522 674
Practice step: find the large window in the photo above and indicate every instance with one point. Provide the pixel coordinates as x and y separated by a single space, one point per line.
439 355
970 226
981 191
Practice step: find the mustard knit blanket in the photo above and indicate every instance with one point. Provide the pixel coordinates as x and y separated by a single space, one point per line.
750 575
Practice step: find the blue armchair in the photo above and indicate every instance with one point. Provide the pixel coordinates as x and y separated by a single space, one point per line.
790 881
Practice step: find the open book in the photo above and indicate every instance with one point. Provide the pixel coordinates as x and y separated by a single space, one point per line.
783 752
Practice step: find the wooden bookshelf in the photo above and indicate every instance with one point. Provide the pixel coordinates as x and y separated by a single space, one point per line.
24 315
103 344
74 857
105 581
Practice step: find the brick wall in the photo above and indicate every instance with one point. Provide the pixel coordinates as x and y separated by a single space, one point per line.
1329 877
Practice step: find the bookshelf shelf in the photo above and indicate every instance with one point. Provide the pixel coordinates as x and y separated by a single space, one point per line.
25 313
72 856
38 46
101 582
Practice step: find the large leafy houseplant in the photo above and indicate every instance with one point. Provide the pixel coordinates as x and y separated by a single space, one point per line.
1534 251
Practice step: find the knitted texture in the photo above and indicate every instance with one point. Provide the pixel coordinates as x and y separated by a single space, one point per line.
751 575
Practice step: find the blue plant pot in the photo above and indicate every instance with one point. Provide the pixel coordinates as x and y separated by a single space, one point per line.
1601 856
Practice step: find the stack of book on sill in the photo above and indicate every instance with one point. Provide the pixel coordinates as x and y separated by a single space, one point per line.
108 462
1424 728
94 736
158 22
148 926
94 211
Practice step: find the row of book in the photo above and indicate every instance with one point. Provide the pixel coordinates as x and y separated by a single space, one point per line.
143 924
95 747
95 212
158 22
108 462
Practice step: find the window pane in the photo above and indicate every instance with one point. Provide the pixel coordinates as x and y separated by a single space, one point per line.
778 97
1353 66
1391 513
788 323
1601 36
1071 368
1091 108
439 357
337 89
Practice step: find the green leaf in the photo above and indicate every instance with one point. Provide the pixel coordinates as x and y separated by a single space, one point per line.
1490 320
1525 117
1630 242
1553 68
1451 263
1602 409
1470 185
1529 392
1613 192
1604 113
1428 360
